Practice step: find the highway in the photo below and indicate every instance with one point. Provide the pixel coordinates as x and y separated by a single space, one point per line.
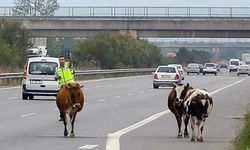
123 114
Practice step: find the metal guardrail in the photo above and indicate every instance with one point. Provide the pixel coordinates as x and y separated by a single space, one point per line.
210 12
17 77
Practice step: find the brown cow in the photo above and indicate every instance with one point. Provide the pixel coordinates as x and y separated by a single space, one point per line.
69 101
175 105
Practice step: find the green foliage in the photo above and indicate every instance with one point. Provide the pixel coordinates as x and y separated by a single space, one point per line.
184 56
60 46
13 44
243 142
116 51
35 7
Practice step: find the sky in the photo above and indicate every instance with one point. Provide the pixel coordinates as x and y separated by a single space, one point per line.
156 3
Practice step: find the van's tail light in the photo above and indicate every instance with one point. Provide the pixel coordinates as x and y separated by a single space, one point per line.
155 76
24 86
25 71
177 77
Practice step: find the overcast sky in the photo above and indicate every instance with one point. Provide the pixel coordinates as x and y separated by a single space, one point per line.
163 3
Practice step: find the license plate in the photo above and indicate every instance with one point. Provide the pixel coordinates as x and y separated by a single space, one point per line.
36 82
165 76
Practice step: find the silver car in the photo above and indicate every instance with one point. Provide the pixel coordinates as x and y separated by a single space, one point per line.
193 68
243 69
39 73
166 76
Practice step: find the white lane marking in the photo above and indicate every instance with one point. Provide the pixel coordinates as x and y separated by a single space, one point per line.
87 147
117 97
113 140
13 98
101 100
130 94
26 115
216 91
10 88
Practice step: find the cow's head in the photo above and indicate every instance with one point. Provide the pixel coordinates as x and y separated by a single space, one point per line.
74 94
199 106
181 91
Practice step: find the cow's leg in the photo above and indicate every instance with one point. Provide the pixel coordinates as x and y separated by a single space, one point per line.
179 122
72 134
186 120
65 125
193 128
200 130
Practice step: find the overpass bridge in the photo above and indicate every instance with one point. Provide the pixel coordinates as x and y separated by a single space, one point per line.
141 22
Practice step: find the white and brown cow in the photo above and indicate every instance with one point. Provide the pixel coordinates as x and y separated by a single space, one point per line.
198 104
185 101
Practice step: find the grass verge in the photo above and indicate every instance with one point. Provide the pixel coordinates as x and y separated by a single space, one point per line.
243 141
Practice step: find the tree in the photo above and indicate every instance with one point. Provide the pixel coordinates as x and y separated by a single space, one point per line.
184 56
110 51
35 7
13 44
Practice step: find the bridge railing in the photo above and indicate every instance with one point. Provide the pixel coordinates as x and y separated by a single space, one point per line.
208 12
6 78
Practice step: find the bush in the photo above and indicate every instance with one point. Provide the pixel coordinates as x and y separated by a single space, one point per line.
110 51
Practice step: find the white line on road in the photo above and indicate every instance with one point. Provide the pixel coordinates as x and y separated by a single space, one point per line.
113 140
88 147
13 98
26 115
101 100
130 94
117 97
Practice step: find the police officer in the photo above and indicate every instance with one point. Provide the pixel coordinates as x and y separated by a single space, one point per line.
64 73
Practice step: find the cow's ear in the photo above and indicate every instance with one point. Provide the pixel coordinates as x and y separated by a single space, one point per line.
188 85
81 86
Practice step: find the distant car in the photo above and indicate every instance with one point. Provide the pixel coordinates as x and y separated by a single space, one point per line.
193 68
180 69
233 65
243 69
218 67
39 73
224 66
166 76
201 68
210 68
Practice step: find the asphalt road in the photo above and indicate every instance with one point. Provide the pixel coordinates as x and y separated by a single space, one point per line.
125 114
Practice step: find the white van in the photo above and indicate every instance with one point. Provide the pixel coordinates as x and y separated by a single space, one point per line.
233 64
39 73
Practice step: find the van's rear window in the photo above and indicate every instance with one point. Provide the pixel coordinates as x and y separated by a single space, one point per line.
42 68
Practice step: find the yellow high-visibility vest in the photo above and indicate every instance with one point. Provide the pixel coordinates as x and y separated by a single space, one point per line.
66 74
